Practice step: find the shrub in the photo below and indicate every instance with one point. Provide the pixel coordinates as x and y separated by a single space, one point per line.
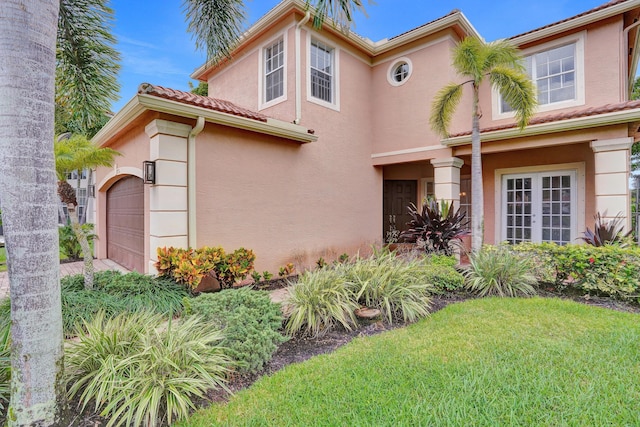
189 266
115 293
500 271
437 226
609 270
69 245
318 302
249 321
138 371
541 259
399 288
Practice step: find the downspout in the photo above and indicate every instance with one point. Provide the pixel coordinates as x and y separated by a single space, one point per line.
191 180
300 24
625 44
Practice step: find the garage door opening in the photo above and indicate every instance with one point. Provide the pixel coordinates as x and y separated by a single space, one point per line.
125 223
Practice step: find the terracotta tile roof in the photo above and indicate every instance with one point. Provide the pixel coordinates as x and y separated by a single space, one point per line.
587 112
200 101
453 12
595 9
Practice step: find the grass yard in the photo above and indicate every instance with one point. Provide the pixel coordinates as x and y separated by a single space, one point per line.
3 259
486 362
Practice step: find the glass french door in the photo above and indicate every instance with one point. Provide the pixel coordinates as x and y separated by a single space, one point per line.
539 207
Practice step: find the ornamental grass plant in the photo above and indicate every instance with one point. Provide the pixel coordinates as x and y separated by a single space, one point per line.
137 370
497 270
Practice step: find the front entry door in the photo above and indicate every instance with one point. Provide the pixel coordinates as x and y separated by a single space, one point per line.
397 195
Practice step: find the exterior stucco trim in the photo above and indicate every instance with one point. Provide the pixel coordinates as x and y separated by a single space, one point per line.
551 127
611 144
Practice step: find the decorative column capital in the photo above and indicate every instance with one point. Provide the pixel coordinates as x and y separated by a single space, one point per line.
165 127
616 144
447 162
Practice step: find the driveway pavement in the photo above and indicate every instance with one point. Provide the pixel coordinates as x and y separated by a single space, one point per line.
66 269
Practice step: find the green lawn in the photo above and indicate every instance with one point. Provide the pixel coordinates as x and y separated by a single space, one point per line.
487 362
3 260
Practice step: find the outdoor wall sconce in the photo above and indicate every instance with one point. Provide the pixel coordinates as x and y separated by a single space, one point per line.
91 189
149 169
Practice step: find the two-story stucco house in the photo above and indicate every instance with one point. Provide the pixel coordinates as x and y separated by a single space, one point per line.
312 143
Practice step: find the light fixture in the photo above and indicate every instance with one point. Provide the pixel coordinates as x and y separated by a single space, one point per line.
149 169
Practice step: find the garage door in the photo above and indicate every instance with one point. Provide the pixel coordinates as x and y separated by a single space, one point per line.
125 223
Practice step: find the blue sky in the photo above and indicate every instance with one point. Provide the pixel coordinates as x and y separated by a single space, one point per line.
156 48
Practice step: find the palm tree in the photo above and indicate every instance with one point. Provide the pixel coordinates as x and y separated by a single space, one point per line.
75 154
29 208
475 60
28 30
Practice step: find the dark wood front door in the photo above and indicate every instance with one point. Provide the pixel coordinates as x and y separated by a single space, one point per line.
125 223
397 195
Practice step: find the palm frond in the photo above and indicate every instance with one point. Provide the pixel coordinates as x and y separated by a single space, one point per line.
517 90
469 58
443 106
77 153
340 11
502 53
216 25
86 62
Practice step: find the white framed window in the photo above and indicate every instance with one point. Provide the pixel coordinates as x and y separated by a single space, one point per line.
557 72
540 205
323 86
272 72
399 71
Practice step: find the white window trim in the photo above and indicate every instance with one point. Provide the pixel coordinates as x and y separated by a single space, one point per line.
261 77
394 64
578 39
580 191
336 74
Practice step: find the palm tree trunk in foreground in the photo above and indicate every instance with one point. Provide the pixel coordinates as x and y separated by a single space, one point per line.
29 209
477 193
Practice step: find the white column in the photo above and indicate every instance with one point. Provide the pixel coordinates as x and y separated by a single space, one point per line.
168 207
612 168
446 179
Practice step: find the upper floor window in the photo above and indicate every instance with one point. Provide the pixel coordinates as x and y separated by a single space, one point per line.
274 71
322 71
557 73
399 72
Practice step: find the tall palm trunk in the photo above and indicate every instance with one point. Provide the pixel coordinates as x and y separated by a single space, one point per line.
477 193
29 209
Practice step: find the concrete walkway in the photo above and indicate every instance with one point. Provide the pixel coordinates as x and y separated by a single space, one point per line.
66 269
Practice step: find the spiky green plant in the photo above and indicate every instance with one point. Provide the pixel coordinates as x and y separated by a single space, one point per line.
5 353
500 271
397 286
319 301
137 370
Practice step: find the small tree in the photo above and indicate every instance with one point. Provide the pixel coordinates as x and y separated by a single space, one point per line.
476 60
75 154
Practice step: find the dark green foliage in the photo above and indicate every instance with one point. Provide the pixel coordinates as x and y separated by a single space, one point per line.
69 245
438 226
249 322
607 232
115 293
202 89
609 270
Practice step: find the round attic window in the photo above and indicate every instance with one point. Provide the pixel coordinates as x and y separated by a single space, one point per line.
399 72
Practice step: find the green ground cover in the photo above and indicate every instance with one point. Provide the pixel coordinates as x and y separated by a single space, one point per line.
3 259
483 362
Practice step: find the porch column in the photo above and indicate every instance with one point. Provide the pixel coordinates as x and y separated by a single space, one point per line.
612 168
446 179
168 208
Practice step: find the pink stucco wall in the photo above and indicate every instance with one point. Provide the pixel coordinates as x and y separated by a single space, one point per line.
287 202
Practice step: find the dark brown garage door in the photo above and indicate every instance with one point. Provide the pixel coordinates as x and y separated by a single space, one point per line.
125 223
